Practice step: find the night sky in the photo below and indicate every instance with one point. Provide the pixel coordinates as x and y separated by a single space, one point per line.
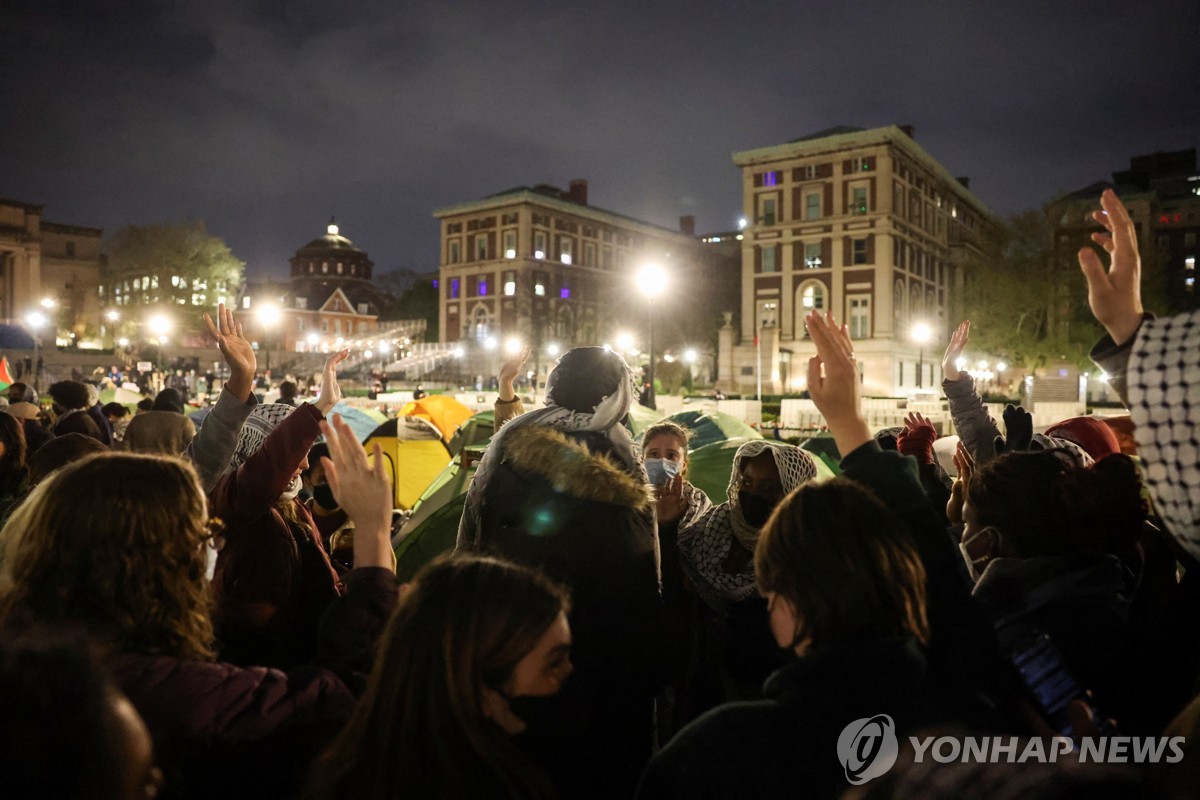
265 118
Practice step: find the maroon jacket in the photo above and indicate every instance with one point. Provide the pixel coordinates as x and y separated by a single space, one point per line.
273 579
226 731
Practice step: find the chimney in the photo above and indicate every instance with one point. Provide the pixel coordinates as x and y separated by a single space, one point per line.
964 180
687 224
577 193
908 131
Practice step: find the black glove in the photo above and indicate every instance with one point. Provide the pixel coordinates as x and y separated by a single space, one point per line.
1018 425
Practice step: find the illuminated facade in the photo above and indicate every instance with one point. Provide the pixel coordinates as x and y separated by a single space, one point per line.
864 223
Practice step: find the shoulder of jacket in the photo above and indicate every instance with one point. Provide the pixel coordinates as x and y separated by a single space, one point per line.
571 468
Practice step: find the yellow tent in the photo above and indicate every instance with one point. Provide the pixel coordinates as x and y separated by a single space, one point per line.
413 454
443 411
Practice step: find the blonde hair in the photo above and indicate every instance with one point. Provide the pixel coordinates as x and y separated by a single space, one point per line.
114 543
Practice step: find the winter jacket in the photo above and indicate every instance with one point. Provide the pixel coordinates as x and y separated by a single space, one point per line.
554 504
273 579
786 745
102 424
974 424
503 411
226 731
164 433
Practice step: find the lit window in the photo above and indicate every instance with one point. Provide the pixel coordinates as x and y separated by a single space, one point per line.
812 296
1189 282
510 244
1189 262
510 288
453 288
858 200
245 302
566 258
567 250
482 287
812 255
860 317
564 293
539 244
539 290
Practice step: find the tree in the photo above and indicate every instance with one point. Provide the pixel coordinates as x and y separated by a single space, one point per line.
182 260
1027 304
420 301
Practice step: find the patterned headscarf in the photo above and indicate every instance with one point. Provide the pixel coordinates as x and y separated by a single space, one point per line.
1164 391
605 418
704 546
258 426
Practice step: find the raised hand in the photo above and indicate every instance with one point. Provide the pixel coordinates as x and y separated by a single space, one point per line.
509 371
236 350
833 382
964 466
331 392
954 351
669 500
1018 430
363 491
1115 294
917 438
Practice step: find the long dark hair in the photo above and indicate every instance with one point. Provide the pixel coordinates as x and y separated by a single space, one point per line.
420 729
12 463
846 564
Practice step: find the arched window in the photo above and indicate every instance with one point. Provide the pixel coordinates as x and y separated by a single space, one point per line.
915 308
898 311
810 296
324 267
481 323
339 268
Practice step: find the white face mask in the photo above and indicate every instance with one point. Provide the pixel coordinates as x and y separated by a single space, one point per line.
661 471
293 489
973 569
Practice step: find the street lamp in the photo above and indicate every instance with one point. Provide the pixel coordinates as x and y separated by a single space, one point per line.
268 318
922 334
313 339
160 326
651 281
36 320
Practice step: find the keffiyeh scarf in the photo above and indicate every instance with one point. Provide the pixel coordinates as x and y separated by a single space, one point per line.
1164 399
606 419
705 546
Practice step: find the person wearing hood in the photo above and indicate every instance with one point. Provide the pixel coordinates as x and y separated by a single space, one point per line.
273 577
29 415
70 406
733 651
563 489
164 430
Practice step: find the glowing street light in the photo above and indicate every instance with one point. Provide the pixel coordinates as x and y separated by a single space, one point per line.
36 320
490 343
690 356
159 325
313 340
651 281
459 351
922 334
49 303
624 340
124 342
552 349
512 345
268 317
112 316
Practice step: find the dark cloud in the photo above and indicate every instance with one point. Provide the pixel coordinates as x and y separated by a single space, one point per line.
265 118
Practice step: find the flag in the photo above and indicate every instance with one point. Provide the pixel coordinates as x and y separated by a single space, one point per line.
5 376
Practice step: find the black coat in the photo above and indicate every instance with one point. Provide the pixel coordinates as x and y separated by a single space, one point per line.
565 507
786 744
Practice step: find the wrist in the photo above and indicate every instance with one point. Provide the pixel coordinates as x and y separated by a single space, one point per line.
1125 328
849 435
507 392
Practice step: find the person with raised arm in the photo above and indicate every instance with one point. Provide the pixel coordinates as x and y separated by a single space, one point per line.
273 577
508 405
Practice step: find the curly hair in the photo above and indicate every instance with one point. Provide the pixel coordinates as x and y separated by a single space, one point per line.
115 544
676 431
69 394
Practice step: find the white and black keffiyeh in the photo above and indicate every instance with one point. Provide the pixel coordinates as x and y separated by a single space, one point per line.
704 547
258 426
606 419
1164 400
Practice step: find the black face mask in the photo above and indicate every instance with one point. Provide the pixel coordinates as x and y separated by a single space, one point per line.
540 714
755 510
323 496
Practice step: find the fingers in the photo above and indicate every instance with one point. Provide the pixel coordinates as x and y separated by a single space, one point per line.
333 438
1093 270
331 474
1105 241
336 359
814 374
1120 224
377 462
212 329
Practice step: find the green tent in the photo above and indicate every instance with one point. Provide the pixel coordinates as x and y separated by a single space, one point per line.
641 418
475 431
710 467
709 427
433 525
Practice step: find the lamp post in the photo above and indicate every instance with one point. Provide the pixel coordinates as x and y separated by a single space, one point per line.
36 320
268 318
922 334
651 281
113 317
160 326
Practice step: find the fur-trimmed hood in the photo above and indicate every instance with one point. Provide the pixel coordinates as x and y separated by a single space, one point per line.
571 468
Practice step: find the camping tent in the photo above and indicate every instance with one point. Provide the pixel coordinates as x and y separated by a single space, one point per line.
709 426
641 418
413 453
433 526
475 431
360 420
444 412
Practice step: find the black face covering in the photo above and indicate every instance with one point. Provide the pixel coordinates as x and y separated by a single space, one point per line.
755 510
540 714
323 496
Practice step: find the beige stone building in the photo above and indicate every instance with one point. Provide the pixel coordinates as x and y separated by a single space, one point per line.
47 261
540 264
865 223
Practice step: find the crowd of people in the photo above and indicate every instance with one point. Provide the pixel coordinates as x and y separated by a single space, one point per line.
214 612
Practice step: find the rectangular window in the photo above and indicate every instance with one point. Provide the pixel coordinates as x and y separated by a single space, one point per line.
1189 263
805 173
453 255
510 284
1189 239
860 251
510 244
300 325
812 205
768 259
860 316
768 178
589 254
539 244
324 326
454 288
766 210
812 255
481 286
858 200
245 303
566 250
564 293
539 284
481 248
